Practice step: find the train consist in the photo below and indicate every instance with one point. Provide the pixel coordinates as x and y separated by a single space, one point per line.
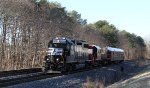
66 54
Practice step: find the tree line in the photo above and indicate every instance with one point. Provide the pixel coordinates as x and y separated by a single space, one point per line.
26 26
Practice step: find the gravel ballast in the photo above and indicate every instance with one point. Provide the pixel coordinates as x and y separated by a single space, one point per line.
108 74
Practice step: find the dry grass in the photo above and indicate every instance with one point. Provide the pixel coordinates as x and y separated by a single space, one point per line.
142 62
141 80
94 84
139 63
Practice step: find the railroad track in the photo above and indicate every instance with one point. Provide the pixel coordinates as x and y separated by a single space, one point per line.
19 72
23 79
8 77
25 76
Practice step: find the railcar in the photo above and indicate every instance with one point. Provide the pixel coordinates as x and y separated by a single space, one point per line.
112 55
94 56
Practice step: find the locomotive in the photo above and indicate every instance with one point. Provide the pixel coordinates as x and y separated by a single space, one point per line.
66 54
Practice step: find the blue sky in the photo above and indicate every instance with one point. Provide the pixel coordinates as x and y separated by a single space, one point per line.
130 15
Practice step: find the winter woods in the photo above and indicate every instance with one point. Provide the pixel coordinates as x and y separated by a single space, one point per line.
26 26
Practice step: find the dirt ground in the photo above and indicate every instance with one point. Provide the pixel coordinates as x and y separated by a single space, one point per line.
139 77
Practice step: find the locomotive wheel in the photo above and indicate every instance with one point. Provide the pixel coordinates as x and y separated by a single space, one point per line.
70 67
88 64
109 62
104 62
100 63
67 68
74 66
44 69
64 68
120 61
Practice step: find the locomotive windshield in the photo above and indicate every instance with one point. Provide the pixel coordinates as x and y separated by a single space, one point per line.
57 45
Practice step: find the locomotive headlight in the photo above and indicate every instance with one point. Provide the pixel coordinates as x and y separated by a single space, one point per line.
47 59
60 53
57 59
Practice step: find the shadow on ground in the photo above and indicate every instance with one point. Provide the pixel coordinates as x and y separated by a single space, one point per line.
137 76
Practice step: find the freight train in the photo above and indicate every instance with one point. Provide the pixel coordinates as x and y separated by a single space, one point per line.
66 54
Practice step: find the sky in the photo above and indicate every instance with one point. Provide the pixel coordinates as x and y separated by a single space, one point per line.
130 15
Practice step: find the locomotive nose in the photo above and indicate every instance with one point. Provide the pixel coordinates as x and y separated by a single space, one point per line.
55 51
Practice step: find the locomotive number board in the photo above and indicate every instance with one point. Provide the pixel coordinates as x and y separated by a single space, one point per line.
59 41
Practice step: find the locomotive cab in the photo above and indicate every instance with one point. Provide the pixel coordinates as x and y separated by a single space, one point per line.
58 51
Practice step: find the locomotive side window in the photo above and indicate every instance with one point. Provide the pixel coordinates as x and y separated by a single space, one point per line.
73 41
79 43
58 45
50 44
108 54
85 45
68 47
103 51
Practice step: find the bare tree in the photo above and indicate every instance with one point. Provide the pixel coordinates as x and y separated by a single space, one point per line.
27 26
